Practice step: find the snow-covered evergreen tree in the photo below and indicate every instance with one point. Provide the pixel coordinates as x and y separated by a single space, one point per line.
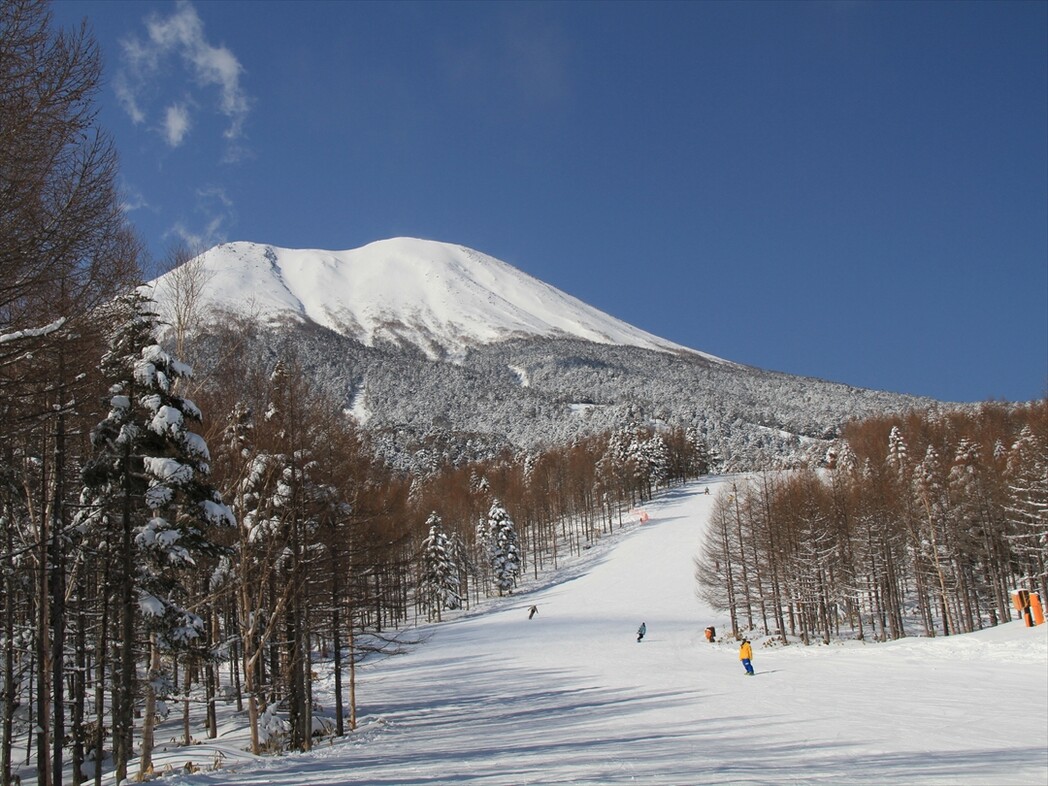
439 583
503 551
145 450
147 499
898 458
656 459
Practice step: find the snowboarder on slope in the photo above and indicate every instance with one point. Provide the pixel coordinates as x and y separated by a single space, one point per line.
745 654
641 631
533 611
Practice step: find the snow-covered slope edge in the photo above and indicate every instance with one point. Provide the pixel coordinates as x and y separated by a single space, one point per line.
440 297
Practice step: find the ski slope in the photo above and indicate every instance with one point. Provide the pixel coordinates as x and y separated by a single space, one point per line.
571 697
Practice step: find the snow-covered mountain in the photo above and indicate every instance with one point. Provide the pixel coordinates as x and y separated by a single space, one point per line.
439 297
445 353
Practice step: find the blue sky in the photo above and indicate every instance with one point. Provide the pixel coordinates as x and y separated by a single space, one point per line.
856 191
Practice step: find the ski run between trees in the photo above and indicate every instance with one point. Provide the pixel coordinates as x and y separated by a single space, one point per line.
493 697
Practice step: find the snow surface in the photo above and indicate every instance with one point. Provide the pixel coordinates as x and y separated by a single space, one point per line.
571 697
440 297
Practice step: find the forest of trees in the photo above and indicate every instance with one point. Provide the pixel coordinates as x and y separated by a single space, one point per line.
172 541
918 524
419 411
192 558
156 560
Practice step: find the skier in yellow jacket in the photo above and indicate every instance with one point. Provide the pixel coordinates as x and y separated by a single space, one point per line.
745 654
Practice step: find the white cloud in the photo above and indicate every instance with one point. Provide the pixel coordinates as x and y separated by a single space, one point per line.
218 212
128 99
201 239
181 36
132 199
176 124
210 194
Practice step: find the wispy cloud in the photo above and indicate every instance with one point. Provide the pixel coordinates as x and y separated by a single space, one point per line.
131 199
179 39
199 239
216 213
176 124
536 61
128 98
523 63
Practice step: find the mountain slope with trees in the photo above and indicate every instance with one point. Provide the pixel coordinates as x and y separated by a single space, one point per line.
528 394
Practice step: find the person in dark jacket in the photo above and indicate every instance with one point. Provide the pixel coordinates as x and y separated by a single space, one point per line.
641 631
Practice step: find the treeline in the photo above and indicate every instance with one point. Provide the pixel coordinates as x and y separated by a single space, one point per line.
414 406
917 524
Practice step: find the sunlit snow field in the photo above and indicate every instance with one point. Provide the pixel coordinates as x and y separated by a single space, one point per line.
570 696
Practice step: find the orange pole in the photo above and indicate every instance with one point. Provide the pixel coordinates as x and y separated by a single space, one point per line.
1021 599
1036 608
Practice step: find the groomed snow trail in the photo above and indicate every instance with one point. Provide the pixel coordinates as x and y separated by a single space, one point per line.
570 697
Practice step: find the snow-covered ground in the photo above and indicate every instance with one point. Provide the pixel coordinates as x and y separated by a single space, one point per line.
571 696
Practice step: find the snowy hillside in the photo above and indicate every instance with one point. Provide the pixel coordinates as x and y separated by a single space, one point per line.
439 297
530 365
571 697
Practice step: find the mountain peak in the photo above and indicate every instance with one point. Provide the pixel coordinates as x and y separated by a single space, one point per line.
440 297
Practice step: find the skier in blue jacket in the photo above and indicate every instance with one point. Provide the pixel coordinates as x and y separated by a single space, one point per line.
641 631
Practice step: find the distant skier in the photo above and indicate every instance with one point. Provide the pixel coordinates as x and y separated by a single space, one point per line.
641 631
745 655
711 634
533 611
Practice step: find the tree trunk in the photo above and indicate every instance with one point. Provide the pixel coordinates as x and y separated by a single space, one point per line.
124 687
187 685
43 655
249 623
9 653
212 680
58 591
79 686
746 589
145 768
336 636
352 676
100 674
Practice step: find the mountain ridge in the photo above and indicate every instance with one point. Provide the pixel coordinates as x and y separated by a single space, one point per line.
440 297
